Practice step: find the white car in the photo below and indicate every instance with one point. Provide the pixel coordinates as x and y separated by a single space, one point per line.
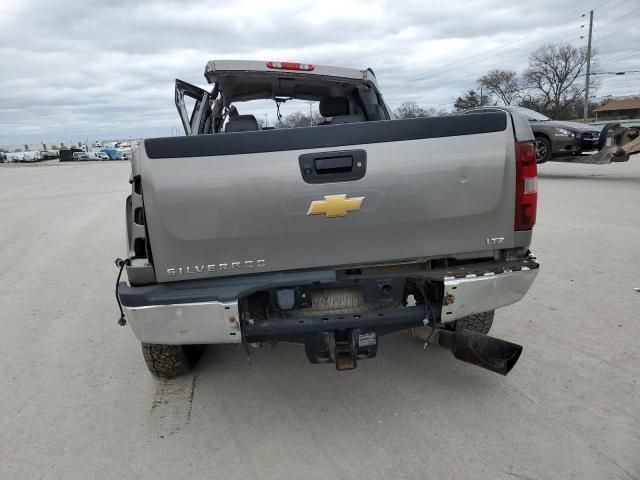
11 157
125 152
81 156
31 156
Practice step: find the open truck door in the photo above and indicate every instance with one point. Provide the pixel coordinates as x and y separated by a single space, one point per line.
199 122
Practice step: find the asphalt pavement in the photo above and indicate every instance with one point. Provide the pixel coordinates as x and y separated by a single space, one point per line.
77 402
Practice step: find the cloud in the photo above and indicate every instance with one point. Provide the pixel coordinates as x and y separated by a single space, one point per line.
103 69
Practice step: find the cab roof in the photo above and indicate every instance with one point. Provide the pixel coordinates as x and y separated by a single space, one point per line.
241 80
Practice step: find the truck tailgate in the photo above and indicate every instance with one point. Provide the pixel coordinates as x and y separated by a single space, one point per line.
237 203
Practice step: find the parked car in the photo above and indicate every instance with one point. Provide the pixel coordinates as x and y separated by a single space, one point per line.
553 138
329 236
97 156
12 157
66 154
26 156
49 154
31 156
80 156
112 153
125 152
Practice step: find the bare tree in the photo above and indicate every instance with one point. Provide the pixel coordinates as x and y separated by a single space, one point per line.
470 99
552 78
411 109
503 84
299 119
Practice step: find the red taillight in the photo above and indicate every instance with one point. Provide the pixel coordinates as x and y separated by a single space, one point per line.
304 67
526 186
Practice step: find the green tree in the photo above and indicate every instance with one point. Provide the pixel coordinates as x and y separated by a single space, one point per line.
470 99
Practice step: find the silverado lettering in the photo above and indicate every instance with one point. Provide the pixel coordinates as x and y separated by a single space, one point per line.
215 267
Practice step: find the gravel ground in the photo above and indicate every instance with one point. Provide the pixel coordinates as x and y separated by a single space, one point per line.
77 402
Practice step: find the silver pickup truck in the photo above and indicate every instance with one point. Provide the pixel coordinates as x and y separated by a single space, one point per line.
328 236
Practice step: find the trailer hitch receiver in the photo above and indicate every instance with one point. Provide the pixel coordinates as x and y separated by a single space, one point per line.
342 347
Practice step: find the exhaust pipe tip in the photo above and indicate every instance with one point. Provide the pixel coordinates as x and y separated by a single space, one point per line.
491 353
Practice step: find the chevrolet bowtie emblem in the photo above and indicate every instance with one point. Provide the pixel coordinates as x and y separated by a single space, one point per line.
335 206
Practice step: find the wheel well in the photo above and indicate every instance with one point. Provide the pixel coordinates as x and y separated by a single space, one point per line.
543 135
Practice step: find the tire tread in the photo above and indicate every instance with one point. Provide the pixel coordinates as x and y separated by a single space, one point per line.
166 361
479 322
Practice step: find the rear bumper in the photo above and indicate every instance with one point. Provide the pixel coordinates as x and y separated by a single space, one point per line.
186 323
168 314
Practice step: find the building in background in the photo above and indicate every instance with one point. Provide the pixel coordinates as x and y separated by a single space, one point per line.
626 109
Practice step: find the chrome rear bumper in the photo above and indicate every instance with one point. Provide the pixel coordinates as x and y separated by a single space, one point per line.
181 314
476 294
186 323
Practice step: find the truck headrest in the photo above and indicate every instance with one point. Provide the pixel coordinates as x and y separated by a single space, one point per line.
241 123
334 106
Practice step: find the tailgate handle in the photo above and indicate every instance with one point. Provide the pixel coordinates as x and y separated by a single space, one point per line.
329 167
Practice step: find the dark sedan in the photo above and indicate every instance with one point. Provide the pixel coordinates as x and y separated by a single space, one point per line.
553 138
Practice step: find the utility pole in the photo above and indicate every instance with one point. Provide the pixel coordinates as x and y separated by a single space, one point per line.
586 78
310 115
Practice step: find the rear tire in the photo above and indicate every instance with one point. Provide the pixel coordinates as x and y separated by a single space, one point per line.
479 323
543 149
169 361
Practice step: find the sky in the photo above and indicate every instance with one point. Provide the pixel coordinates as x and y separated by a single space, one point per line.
76 70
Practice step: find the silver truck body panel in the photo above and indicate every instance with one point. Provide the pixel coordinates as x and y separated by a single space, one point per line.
213 216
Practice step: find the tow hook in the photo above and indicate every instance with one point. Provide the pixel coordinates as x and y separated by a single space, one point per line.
343 347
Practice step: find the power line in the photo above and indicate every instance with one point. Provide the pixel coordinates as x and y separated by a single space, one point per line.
615 73
465 60
461 80
443 74
439 70
611 10
617 32
443 70
621 57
